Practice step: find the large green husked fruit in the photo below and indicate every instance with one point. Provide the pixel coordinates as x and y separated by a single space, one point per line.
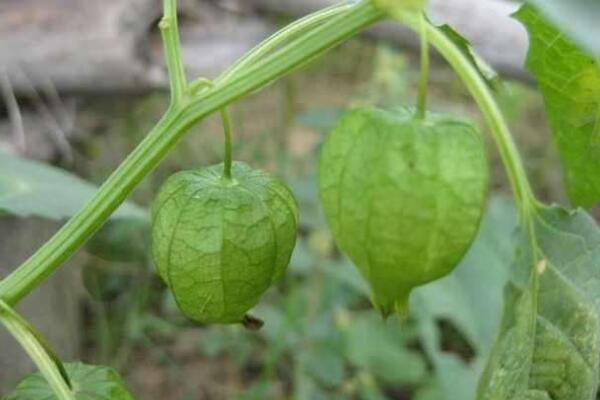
218 243
404 197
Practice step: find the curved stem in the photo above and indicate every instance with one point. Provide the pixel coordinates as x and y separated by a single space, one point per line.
228 143
488 105
170 35
37 351
424 79
166 134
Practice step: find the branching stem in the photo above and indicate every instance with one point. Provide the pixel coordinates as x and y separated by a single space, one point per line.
254 73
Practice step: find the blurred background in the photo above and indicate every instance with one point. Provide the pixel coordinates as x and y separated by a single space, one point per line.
82 82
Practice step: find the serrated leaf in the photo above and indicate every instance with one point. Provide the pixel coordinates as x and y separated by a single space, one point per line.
489 75
578 18
30 188
570 83
88 382
549 342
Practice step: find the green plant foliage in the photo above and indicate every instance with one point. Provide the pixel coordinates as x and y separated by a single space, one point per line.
403 197
106 281
30 188
122 241
549 343
577 18
220 243
89 382
570 83
403 193
373 346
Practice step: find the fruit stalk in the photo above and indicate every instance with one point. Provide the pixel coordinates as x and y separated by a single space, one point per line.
228 143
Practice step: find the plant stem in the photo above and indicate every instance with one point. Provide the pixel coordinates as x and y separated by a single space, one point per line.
49 368
169 30
422 99
280 37
166 134
228 143
488 105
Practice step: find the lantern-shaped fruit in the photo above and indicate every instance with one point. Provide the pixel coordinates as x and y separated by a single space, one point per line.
219 242
403 196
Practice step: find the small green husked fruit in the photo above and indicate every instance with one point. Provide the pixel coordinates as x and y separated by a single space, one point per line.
404 197
220 243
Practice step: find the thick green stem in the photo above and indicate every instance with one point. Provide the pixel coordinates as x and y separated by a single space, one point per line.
424 79
172 127
23 334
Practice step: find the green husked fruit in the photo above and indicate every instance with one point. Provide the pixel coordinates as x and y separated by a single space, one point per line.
404 197
220 243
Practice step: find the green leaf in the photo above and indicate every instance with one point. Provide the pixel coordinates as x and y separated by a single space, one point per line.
320 119
371 344
431 391
370 391
489 75
30 188
549 342
325 364
89 382
122 240
570 83
577 18
106 281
